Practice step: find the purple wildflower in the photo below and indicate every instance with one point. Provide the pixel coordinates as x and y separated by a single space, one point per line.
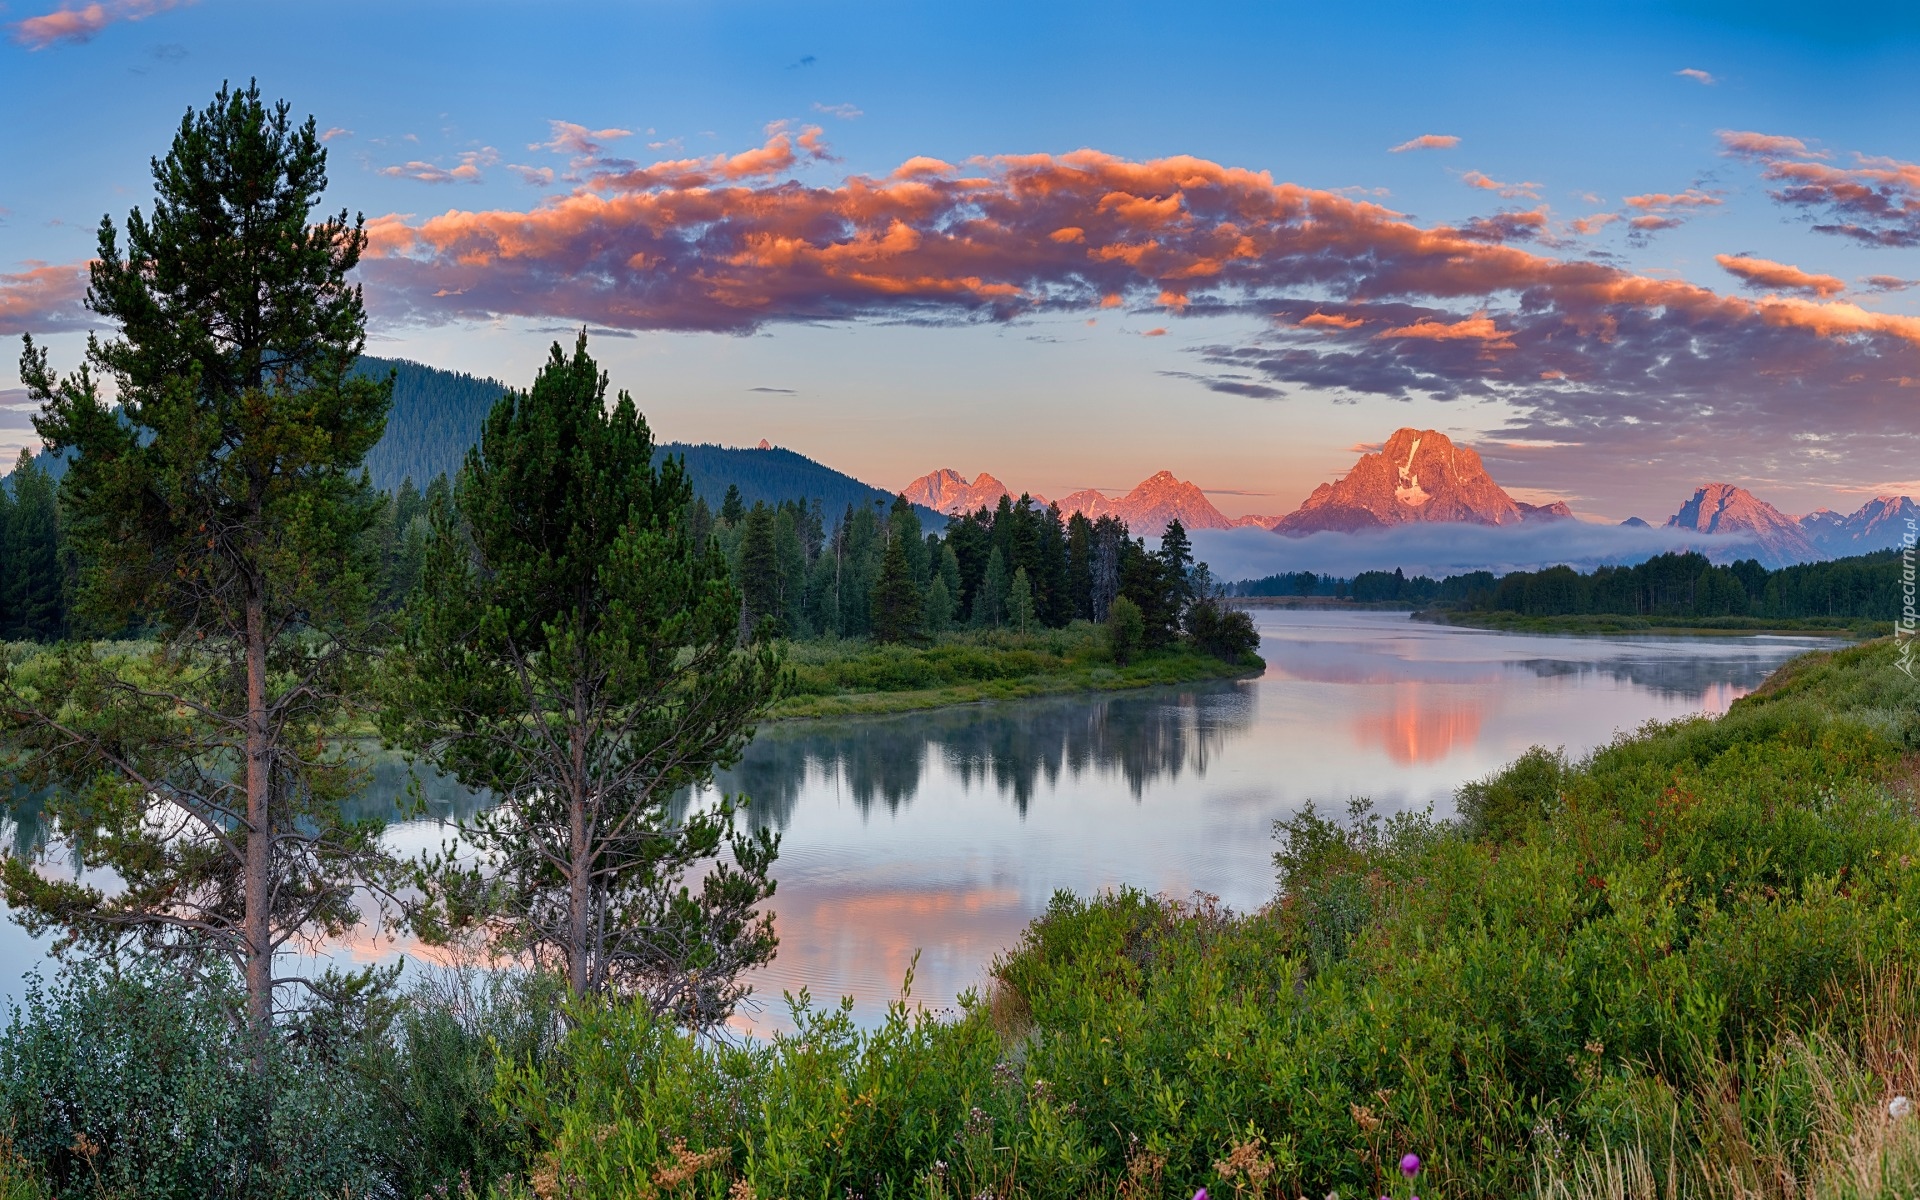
1410 1165
1200 1195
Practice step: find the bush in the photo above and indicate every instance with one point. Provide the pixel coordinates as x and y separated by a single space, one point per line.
1126 630
138 1084
1500 807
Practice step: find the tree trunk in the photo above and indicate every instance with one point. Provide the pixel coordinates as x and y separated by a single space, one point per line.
580 866
258 881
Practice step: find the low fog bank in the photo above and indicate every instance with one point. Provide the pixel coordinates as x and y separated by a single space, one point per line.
1439 550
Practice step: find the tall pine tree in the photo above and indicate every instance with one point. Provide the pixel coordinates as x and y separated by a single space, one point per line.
221 507
573 650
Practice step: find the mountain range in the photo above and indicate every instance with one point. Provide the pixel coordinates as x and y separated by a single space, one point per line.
1422 476
1146 509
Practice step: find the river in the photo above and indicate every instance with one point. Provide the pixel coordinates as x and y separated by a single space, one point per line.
945 833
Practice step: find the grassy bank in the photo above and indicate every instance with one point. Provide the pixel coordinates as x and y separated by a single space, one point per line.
1685 966
845 677
1512 622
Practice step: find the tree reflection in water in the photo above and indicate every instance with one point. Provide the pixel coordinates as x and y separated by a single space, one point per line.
1014 748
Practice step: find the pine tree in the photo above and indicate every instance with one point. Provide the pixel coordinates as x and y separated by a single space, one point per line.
221 507
896 597
1020 605
990 598
572 651
732 511
33 586
759 574
939 608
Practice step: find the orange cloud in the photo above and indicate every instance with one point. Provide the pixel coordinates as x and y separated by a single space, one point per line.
1768 144
43 297
1594 223
1663 201
1761 272
1320 320
1477 179
569 138
729 244
469 171
1426 141
1876 201
1697 75
1477 328
67 24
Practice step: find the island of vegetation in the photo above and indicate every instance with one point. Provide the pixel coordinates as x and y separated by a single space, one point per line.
1683 965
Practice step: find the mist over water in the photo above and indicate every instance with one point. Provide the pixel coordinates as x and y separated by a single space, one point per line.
944 833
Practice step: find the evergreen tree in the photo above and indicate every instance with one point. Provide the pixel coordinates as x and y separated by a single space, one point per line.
1079 580
573 652
1020 605
34 590
220 506
896 597
1176 558
939 608
759 574
990 598
732 511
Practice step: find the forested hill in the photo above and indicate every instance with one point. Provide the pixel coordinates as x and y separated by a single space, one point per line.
436 416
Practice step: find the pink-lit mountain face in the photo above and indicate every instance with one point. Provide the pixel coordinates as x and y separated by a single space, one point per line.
1724 510
948 491
1418 476
1882 523
1146 509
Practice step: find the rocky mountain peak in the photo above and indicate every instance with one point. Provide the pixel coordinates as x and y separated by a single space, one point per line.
1416 475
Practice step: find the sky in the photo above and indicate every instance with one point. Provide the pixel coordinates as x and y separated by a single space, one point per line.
1623 250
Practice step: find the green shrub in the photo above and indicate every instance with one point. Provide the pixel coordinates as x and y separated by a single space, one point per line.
1500 807
137 1084
1126 630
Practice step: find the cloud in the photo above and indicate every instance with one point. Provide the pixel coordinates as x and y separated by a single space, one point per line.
1156 331
1875 201
68 24
1477 328
1638 369
44 298
536 176
1655 211
1594 223
846 112
1477 179
569 138
335 132
469 171
1697 75
1426 141
1765 273
1888 283
775 391
1668 201
1437 550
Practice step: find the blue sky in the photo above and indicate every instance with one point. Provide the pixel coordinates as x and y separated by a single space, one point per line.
1572 109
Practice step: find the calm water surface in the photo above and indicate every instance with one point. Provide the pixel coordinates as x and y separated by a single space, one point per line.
944 833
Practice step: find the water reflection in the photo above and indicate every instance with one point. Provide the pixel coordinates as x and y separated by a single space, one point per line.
945 833
1016 750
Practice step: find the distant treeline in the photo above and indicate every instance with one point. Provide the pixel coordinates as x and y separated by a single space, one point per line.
1865 587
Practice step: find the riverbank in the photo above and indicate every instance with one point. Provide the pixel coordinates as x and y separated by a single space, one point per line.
856 677
1604 623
